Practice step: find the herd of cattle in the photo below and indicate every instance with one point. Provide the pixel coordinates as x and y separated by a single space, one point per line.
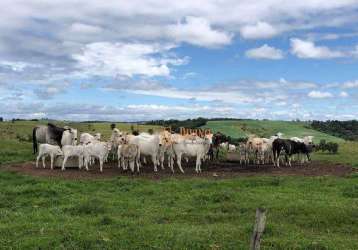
131 149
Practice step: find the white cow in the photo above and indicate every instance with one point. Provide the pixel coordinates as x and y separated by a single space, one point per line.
128 155
97 150
45 150
197 147
232 148
166 149
69 150
69 137
86 138
148 145
224 145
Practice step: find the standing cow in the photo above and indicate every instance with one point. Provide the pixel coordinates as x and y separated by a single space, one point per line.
53 135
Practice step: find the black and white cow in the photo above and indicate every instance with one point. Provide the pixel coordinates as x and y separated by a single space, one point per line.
53 135
289 148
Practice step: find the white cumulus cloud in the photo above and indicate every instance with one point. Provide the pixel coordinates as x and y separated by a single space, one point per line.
197 31
307 49
319 94
258 30
265 52
126 59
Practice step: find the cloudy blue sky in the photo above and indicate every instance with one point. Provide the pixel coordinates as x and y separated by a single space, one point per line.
156 59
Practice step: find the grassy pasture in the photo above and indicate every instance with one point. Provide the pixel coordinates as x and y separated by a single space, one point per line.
125 213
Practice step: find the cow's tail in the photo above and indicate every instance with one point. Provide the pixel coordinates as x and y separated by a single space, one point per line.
34 140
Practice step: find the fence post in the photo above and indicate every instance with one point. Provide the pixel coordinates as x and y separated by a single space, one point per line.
259 228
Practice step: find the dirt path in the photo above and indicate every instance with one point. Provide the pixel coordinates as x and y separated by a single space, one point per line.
227 169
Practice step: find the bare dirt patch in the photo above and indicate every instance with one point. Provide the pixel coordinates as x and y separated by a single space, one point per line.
224 169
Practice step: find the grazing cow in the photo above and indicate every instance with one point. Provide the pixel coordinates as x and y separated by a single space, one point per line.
193 148
128 155
51 134
69 151
45 150
97 150
289 147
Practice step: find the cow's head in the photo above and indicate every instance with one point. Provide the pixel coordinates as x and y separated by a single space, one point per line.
165 138
58 151
74 133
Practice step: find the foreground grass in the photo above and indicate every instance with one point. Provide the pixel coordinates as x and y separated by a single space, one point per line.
124 213
244 128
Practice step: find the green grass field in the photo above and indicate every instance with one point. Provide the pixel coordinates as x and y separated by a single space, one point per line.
125 213
134 213
244 128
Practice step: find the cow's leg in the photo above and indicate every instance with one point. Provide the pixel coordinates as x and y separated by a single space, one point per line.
80 162
179 162
131 165
64 163
197 165
154 160
161 159
171 162
137 161
101 164
52 156
43 161
86 163
37 161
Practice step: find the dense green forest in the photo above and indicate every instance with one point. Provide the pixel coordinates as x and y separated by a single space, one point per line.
176 124
345 129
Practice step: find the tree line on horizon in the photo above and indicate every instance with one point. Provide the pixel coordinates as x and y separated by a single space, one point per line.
347 130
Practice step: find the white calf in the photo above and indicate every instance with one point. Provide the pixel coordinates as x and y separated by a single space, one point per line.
69 150
48 149
232 148
98 150
128 154
86 138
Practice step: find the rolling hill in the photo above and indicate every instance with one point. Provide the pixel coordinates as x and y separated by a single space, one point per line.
243 128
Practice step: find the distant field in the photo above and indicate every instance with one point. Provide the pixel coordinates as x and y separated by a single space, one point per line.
244 128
